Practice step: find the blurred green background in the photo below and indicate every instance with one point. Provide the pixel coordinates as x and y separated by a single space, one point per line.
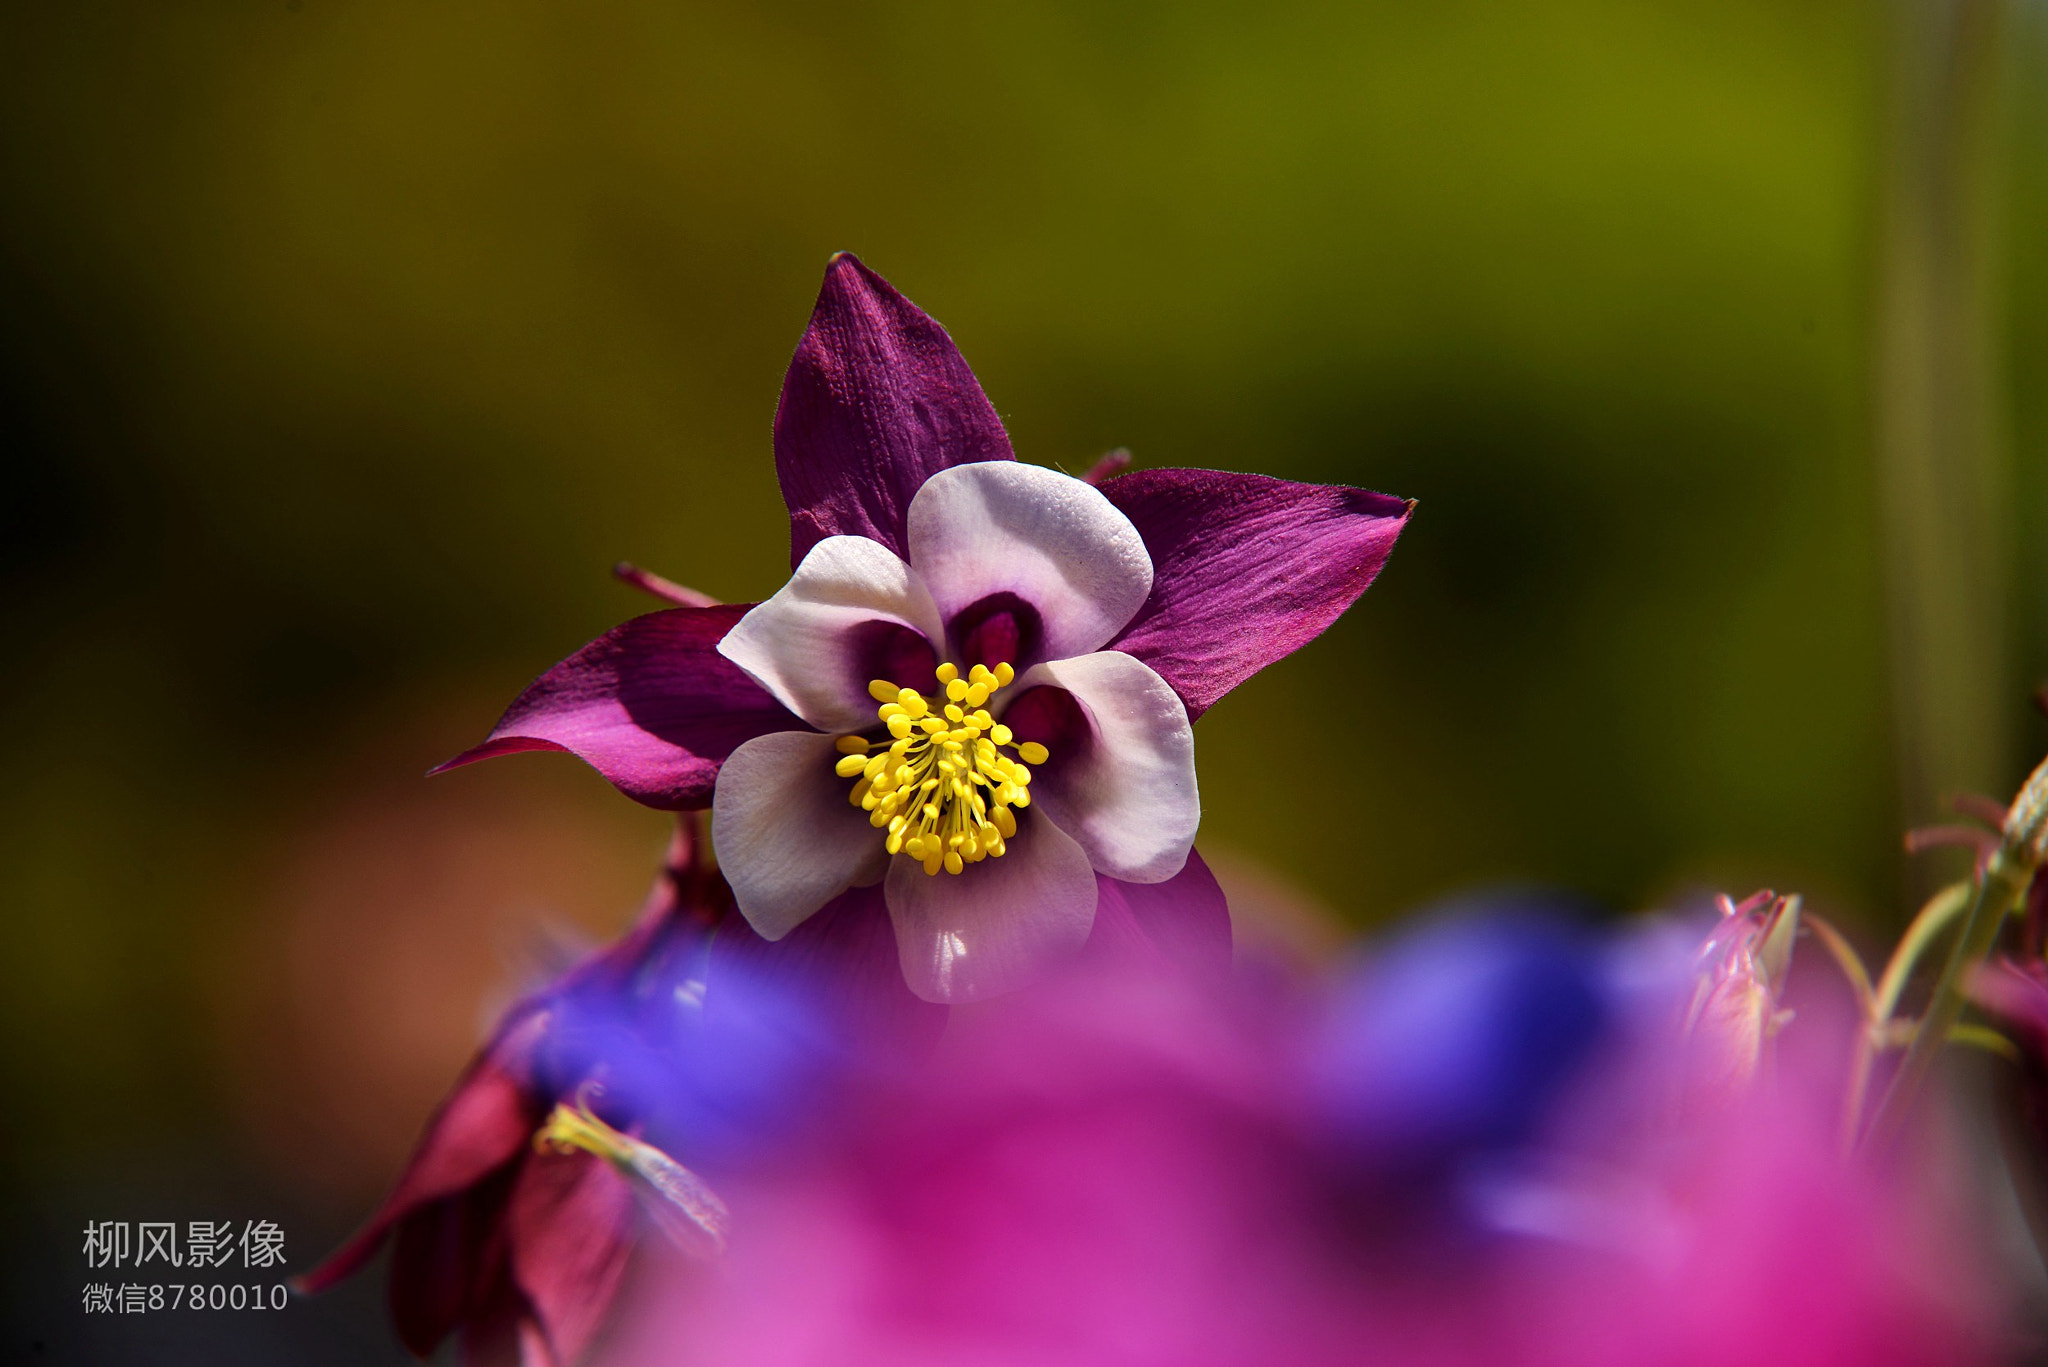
344 347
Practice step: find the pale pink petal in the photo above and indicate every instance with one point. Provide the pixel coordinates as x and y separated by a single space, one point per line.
993 529
997 925
805 645
787 838
1129 795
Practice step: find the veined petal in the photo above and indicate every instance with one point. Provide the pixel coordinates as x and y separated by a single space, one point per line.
977 531
804 643
876 401
1129 797
787 839
650 704
998 925
1246 569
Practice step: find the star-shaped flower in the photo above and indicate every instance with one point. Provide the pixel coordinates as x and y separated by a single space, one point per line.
977 688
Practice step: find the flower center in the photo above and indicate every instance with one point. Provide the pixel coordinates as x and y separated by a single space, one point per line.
941 785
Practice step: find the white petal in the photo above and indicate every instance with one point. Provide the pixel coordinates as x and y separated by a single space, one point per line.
1129 798
787 838
1054 541
997 924
799 644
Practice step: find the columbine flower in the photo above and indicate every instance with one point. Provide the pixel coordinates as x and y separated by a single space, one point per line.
976 690
521 1245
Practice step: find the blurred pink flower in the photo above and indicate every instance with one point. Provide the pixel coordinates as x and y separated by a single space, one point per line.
1135 1170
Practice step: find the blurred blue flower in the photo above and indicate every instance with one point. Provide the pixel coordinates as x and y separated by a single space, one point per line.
1456 1037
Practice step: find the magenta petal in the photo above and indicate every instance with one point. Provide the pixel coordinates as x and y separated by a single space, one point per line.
650 704
1184 921
877 400
570 1228
843 958
1246 569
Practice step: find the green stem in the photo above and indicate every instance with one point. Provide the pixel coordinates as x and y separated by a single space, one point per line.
1997 892
1927 927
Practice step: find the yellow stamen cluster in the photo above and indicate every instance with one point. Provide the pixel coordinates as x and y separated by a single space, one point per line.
940 785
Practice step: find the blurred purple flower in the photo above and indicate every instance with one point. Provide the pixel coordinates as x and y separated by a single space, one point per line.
515 1218
1038 648
522 1249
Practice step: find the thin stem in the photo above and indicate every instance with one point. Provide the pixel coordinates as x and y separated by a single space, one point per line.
1851 964
1997 891
647 581
1934 918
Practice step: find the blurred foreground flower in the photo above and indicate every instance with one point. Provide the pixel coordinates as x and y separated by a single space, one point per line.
515 1219
1470 1151
977 687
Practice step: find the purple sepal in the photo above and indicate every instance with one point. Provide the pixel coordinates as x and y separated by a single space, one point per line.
650 704
876 401
1246 569
1184 921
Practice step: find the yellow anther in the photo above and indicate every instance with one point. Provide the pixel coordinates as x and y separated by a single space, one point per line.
942 787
